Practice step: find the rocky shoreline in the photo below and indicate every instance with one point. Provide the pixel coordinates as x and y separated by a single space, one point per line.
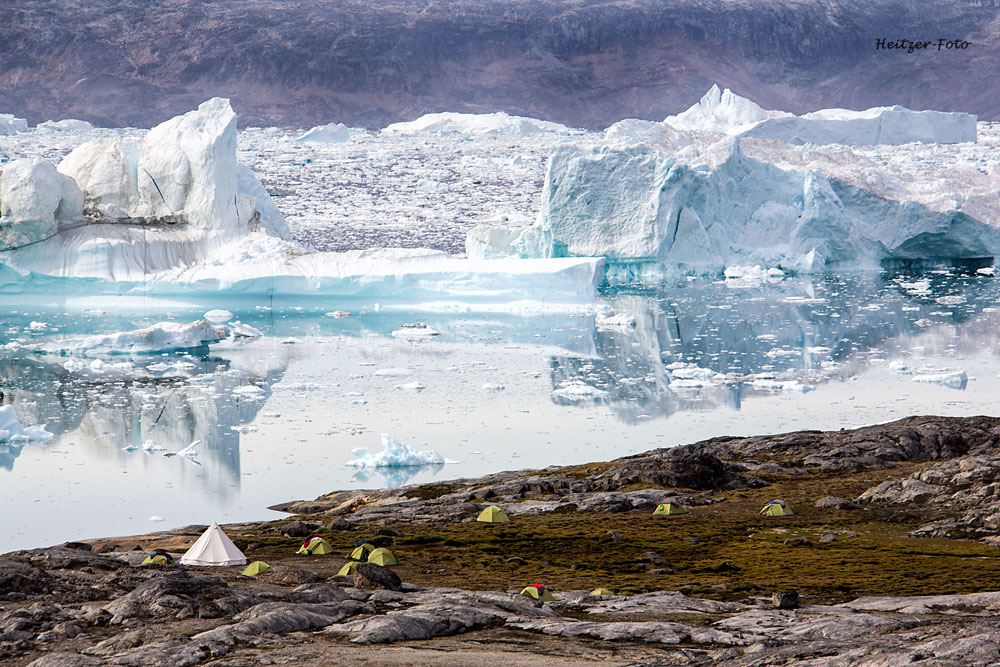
890 558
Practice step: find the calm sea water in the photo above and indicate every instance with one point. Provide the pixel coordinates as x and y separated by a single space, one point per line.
279 416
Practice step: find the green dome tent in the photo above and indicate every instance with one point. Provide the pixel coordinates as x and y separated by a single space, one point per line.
361 549
776 508
348 568
537 592
670 507
382 557
158 557
600 592
255 568
315 546
493 514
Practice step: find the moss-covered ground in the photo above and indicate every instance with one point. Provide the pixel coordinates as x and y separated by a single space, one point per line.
723 550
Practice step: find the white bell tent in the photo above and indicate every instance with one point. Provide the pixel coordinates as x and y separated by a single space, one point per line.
213 548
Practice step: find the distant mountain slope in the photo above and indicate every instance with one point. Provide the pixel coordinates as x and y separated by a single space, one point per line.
579 62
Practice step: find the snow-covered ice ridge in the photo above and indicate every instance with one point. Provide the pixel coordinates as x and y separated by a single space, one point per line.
174 213
657 200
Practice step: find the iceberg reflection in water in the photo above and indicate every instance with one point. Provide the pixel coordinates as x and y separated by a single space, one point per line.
278 416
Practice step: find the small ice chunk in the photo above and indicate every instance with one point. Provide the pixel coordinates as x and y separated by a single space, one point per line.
393 372
954 379
950 300
417 330
394 454
241 330
411 386
490 386
155 518
218 316
579 391
338 314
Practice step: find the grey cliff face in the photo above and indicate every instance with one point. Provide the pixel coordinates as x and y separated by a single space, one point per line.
586 63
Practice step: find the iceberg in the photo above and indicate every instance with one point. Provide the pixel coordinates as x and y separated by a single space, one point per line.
727 113
175 215
12 431
654 209
498 123
10 124
394 454
161 337
326 134
67 125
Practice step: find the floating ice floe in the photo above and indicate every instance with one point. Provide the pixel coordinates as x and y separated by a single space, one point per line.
190 452
394 454
326 134
488 123
393 372
492 386
577 391
417 330
160 337
411 386
751 276
155 518
953 379
11 429
218 316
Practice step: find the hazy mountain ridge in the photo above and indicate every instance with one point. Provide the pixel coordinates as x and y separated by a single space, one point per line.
584 63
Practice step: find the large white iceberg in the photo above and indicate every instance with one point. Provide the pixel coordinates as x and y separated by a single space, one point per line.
656 200
728 113
499 123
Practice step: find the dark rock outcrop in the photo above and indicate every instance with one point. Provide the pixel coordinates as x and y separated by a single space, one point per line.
372 576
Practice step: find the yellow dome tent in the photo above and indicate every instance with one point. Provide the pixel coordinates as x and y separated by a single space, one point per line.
600 592
382 557
348 569
776 508
670 507
537 592
493 514
255 568
315 546
158 557
361 549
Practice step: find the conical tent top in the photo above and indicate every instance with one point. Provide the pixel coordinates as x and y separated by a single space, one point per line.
601 591
255 568
493 514
213 548
537 592
382 557
348 569
361 550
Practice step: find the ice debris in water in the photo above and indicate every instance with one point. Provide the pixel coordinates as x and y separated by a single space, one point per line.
619 321
415 330
394 454
331 133
12 431
498 123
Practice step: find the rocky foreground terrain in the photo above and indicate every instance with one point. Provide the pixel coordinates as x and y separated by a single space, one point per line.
889 559
586 63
